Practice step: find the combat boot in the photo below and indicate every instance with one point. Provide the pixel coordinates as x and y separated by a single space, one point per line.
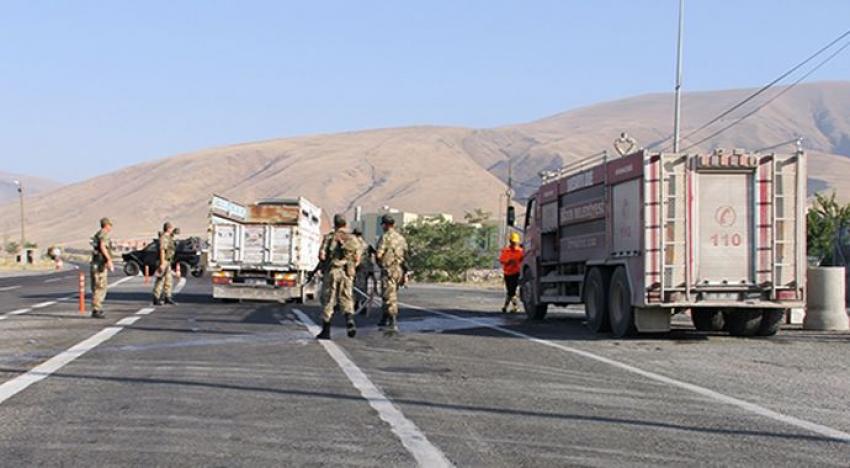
383 322
169 301
326 332
97 314
157 301
392 325
350 326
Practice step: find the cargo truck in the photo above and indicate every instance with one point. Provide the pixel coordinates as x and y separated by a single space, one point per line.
640 237
264 251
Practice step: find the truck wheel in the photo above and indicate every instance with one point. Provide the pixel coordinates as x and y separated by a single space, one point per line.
596 301
132 268
707 319
620 310
742 322
771 322
528 293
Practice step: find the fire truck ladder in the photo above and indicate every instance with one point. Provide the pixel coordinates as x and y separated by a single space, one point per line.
673 194
781 217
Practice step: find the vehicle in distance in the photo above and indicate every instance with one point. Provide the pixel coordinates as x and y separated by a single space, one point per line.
188 254
640 237
264 251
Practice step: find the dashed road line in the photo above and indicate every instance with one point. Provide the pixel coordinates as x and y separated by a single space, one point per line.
42 305
706 392
9 288
53 280
38 373
423 451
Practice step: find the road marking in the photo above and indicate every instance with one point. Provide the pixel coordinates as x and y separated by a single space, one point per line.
14 312
42 305
145 311
18 384
53 280
128 320
425 453
9 288
732 401
180 285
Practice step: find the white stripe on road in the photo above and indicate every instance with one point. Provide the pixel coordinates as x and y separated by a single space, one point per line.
425 453
746 405
9 288
42 305
14 312
53 280
14 386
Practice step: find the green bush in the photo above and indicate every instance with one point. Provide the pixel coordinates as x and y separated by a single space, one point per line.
443 251
824 219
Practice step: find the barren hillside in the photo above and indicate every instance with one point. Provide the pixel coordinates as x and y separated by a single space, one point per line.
426 169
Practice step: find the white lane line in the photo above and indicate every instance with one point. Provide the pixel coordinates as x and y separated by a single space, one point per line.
14 312
180 285
14 386
42 305
9 288
53 280
425 453
128 320
145 311
121 281
732 401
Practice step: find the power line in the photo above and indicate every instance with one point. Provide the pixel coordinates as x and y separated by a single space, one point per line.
775 97
759 91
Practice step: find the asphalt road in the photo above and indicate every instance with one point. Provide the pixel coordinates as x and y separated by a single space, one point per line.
214 384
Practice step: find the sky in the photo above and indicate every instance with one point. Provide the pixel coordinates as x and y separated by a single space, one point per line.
88 87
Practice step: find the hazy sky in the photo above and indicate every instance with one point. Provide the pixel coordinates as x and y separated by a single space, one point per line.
87 87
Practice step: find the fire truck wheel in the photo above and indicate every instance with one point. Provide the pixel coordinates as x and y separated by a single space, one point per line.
771 322
620 310
528 294
596 301
742 322
707 319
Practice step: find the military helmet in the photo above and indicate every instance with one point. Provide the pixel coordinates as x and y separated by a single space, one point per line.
339 221
105 222
388 220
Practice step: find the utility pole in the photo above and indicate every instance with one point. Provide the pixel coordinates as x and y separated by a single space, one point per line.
21 196
678 105
509 197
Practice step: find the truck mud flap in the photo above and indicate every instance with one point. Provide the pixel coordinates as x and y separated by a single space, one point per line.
652 320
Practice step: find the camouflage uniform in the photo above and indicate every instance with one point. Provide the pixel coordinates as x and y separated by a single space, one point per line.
364 270
165 281
99 272
341 252
391 252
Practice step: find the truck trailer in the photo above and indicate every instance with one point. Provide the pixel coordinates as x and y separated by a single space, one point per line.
264 251
641 237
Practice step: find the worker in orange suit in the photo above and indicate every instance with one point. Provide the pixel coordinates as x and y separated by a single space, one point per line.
511 260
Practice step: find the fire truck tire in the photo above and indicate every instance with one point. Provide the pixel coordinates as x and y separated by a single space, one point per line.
742 322
620 310
707 319
771 322
528 293
596 301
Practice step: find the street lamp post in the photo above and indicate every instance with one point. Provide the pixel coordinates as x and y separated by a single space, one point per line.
23 232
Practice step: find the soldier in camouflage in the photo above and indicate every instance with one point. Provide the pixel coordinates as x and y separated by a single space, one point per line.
101 265
363 273
339 256
391 254
165 280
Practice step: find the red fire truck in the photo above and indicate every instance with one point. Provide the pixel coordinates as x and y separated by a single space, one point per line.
641 237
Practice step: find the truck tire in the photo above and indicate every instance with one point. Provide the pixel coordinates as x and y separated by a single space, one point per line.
596 300
132 268
742 322
708 319
771 322
620 310
528 292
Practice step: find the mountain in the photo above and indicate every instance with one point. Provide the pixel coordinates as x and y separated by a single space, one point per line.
430 168
32 186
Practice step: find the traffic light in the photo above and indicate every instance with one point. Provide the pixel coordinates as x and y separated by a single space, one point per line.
511 216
